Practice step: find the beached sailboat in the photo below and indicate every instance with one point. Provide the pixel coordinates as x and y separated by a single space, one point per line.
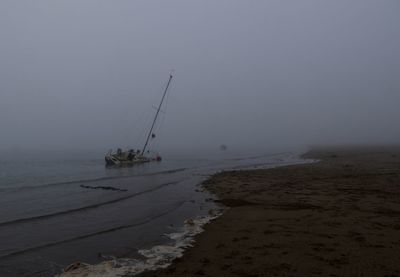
132 157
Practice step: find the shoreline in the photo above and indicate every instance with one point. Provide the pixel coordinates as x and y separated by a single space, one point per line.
336 217
160 256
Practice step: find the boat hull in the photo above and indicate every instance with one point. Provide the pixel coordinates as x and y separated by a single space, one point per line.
115 161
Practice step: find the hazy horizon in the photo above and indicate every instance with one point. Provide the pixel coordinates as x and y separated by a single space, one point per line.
257 74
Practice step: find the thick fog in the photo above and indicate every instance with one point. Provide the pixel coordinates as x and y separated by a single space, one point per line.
87 74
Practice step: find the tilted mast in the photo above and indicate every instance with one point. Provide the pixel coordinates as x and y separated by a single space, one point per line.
158 111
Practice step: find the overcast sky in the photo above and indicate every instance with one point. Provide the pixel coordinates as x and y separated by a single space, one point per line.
87 73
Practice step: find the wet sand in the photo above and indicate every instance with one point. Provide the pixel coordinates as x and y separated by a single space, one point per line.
336 217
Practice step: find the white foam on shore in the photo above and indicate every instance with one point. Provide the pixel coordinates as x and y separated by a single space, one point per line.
157 257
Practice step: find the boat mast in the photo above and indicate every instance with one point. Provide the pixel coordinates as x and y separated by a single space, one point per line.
158 111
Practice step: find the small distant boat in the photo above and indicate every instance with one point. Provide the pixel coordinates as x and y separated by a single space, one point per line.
131 156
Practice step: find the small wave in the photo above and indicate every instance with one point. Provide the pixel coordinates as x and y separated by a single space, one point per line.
157 257
83 181
103 187
84 208
259 156
271 164
144 221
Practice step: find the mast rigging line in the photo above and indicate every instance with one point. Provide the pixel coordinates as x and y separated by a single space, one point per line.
158 111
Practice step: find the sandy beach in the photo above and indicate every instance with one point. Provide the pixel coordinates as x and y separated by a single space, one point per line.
336 217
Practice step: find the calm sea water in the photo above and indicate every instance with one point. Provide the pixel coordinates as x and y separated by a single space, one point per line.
60 207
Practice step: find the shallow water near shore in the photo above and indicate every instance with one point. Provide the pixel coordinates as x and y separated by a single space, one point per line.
61 208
